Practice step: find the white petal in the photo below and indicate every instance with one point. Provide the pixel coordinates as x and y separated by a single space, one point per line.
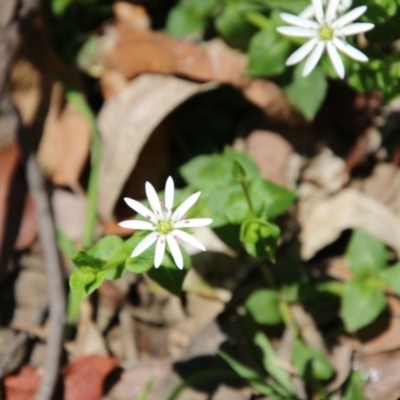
318 10
296 31
313 58
169 195
181 210
160 250
302 52
298 21
336 60
140 208
175 251
351 51
308 12
354 29
145 243
331 10
135 224
349 17
153 199
193 223
188 239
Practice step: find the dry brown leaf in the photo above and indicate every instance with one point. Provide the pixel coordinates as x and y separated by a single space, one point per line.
65 144
7 8
24 385
341 357
133 52
131 14
350 209
383 370
17 216
86 377
127 120
271 153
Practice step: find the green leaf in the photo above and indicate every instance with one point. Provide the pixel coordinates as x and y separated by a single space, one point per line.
144 261
365 254
272 199
391 276
233 27
307 93
255 380
168 275
361 304
271 363
293 6
107 247
267 53
259 238
236 207
263 305
311 363
84 258
85 281
183 22
354 387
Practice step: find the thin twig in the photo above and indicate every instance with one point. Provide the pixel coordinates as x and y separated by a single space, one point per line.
52 262
20 340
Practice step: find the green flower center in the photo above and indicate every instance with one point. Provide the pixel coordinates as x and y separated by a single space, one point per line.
165 227
325 33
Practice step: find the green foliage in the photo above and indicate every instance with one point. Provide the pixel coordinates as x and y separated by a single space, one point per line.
311 363
361 304
263 305
365 254
251 25
354 387
362 298
307 93
110 258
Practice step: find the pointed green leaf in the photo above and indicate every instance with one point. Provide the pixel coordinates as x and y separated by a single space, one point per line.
366 255
361 304
84 258
391 276
263 305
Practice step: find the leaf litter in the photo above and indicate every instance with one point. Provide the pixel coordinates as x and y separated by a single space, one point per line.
136 325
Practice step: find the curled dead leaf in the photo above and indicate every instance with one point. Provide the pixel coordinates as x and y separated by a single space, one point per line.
127 120
349 209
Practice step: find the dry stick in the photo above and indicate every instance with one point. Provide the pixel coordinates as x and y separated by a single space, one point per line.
21 339
52 262
10 39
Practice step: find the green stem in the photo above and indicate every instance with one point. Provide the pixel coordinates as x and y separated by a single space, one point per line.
248 198
92 192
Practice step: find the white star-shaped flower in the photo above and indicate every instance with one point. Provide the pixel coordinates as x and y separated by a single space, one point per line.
166 225
343 6
326 32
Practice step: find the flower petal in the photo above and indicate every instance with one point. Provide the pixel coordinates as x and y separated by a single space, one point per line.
175 251
135 224
181 210
160 250
153 199
145 243
335 58
302 52
354 29
193 223
331 10
188 239
313 58
318 10
169 195
298 21
140 209
349 17
296 31
308 12
351 51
